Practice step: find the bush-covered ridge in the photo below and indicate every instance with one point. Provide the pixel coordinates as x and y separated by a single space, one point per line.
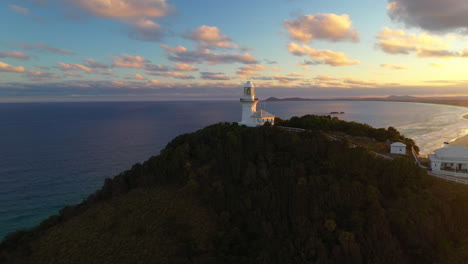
328 123
232 194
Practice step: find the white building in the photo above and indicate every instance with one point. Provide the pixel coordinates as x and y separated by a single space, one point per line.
398 148
250 116
452 160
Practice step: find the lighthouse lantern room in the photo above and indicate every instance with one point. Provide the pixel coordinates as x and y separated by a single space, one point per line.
250 116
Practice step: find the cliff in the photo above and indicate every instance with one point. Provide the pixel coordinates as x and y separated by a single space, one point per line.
232 194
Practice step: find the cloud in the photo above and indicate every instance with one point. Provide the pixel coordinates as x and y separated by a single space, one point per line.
146 30
250 70
128 61
205 55
267 61
15 55
295 74
178 49
158 68
285 79
432 15
436 65
423 45
177 75
393 66
183 67
45 47
19 9
139 77
40 76
72 74
322 56
74 67
219 76
4 67
332 27
91 63
124 9
328 81
211 37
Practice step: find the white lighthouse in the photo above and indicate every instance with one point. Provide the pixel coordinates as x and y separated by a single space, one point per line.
250 116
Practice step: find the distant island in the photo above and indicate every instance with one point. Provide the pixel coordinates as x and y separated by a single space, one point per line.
235 194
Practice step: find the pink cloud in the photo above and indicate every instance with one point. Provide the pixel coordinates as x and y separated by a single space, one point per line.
139 77
19 9
128 61
40 76
321 26
74 67
4 67
15 55
183 67
178 49
211 37
125 9
250 70
322 56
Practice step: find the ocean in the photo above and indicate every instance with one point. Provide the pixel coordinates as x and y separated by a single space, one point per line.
56 154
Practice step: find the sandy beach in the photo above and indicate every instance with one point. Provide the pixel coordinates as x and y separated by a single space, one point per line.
463 140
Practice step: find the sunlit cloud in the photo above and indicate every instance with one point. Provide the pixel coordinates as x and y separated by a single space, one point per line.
211 37
332 27
295 74
423 45
250 70
4 67
74 67
183 67
322 56
328 81
432 15
178 49
139 77
393 66
128 61
45 47
214 76
19 9
124 9
40 76
285 79
436 65
15 55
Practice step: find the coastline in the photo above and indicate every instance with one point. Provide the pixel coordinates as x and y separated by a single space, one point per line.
461 140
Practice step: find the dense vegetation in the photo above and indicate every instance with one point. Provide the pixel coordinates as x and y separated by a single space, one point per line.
328 123
232 194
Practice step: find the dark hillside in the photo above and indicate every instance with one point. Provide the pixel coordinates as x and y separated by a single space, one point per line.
232 194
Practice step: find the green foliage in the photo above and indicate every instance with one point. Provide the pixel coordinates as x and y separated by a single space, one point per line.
233 194
328 123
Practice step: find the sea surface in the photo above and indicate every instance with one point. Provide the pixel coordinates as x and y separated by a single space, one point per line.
56 154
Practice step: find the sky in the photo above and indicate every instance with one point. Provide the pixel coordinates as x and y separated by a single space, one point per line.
133 50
